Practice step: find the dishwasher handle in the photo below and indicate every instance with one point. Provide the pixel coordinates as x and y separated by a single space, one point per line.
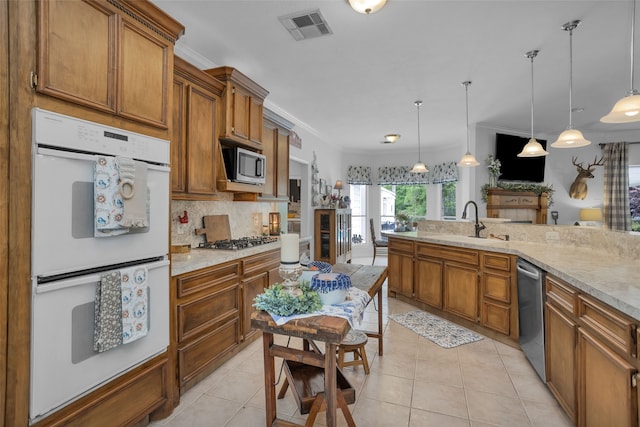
532 274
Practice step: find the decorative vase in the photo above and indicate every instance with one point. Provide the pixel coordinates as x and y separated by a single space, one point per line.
493 181
333 297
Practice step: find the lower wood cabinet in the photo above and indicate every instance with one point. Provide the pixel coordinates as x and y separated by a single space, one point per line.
429 287
461 291
591 357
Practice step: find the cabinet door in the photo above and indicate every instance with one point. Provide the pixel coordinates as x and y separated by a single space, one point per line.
179 138
255 120
250 289
607 395
269 141
461 294
428 285
144 66
282 174
201 146
240 112
84 34
560 357
401 274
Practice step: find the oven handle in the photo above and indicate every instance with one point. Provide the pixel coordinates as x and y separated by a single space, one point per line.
83 280
88 157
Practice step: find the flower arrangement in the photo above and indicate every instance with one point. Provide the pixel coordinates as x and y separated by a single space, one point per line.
325 283
278 301
493 165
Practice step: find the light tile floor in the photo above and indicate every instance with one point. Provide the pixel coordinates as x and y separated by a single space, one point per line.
415 383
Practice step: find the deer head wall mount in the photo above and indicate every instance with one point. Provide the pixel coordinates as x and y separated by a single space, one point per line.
578 189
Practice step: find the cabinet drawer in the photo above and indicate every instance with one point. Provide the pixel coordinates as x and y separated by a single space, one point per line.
399 245
219 275
496 286
497 261
260 263
496 316
467 256
204 313
200 356
562 295
616 329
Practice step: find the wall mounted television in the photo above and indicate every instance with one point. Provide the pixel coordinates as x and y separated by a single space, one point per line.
514 168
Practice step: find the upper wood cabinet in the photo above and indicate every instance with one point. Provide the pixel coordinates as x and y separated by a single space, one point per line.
111 56
194 144
243 107
275 146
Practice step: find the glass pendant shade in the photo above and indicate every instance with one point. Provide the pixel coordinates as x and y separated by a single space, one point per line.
468 160
533 149
570 138
367 6
627 110
419 167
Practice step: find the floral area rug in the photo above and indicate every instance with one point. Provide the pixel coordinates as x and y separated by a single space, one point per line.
433 328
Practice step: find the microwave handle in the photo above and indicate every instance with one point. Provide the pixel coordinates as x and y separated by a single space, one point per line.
259 168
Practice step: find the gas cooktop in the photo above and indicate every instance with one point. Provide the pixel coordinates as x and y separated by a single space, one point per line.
241 243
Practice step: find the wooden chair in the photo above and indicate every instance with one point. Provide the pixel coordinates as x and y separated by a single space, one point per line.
382 243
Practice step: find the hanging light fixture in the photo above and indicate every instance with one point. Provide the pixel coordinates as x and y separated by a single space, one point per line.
627 109
419 167
533 147
570 138
367 6
468 159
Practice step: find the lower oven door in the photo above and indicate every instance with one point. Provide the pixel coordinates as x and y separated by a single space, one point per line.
63 216
64 365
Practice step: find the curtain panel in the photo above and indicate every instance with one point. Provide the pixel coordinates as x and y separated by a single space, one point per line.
617 212
359 175
444 172
400 175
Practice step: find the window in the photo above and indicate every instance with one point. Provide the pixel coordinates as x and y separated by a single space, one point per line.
448 200
634 197
409 199
359 224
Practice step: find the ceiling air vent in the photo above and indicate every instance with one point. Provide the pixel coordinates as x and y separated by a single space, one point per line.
306 25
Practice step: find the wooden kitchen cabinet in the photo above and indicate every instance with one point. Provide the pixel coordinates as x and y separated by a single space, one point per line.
461 290
429 287
275 146
194 146
591 357
119 59
258 274
242 112
400 260
332 235
498 284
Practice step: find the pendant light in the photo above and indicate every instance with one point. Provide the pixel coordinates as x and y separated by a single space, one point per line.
367 6
419 167
627 109
468 159
533 147
570 138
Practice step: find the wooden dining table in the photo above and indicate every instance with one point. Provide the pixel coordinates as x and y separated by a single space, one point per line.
327 329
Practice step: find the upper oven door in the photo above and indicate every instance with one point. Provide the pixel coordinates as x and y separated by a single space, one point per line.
63 217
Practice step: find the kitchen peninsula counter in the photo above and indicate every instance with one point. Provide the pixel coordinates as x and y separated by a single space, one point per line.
612 279
203 258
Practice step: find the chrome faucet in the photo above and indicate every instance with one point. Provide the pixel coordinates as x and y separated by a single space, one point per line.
478 226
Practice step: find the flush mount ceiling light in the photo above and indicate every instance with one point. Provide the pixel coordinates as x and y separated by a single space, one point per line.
367 6
627 109
391 138
570 138
467 159
419 167
533 147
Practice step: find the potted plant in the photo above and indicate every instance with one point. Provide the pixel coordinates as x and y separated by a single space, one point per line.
402 220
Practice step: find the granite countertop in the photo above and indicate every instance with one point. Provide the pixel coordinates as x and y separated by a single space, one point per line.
614 280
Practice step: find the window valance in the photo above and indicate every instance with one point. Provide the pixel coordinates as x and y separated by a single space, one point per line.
400 175
359 175
444 172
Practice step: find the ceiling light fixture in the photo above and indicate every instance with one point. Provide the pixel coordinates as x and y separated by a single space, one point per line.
367 6
391 138
533 147
419 167
570 138
627 109
468 159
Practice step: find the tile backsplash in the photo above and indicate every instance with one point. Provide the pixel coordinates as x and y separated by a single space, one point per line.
245 218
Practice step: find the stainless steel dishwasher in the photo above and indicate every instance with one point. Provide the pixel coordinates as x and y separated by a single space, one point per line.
531 314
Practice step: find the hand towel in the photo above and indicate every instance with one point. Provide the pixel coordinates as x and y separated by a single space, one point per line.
135 303
133 190
108 205
107 332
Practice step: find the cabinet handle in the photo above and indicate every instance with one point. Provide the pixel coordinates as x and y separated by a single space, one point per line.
634 380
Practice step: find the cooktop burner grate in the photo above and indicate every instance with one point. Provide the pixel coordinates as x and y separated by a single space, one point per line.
241 243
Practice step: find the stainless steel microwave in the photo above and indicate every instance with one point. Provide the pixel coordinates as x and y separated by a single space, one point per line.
244 166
